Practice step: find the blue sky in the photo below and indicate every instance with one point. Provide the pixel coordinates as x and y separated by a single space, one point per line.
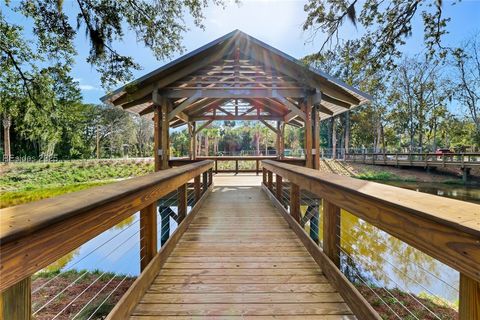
276 22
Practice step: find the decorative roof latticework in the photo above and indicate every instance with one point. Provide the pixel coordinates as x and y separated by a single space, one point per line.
237 77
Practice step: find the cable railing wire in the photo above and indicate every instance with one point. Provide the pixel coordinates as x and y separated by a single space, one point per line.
401 287
83 274
85 256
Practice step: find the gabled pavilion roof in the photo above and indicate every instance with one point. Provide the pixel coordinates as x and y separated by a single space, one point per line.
237 77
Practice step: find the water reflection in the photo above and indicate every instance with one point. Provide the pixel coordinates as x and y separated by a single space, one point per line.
468 193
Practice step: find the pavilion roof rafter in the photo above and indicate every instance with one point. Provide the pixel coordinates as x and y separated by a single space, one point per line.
237 77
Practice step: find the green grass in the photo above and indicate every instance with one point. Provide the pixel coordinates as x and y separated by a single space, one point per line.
21 183
381 176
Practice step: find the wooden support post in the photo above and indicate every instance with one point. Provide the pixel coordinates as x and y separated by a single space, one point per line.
278 188
295 202
182 203
16 301
216 166
197 188
156 138
264 176
205 181
210 177
164 136
257 166
469 304
314 222
270 180
193 139
308 133
281 129
277 140
148 234
164 223
331 231
316 139
236 166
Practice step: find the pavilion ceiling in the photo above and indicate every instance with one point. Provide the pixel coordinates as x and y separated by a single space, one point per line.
236 77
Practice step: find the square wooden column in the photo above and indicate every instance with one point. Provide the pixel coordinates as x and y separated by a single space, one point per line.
316 138
280 139
193 140
156 137
308 133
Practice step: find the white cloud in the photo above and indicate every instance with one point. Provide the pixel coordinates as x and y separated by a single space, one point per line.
88 87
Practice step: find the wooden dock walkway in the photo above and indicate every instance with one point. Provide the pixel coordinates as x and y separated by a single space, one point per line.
239 259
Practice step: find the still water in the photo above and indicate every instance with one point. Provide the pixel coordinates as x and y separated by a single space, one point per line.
369 255
372 256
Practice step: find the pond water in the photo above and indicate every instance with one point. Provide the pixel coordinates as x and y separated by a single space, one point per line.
382 260
369 254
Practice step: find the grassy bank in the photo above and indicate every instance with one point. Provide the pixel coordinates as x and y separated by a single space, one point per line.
21 183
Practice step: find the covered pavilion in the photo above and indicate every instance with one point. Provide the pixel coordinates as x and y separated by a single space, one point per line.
236 77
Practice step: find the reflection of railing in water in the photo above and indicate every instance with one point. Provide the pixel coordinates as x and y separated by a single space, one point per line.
428 223
37 234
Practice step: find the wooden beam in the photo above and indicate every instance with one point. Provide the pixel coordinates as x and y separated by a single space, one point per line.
232 118
291 106
206 106
225 111
203 126
269 126
307 77
184 105
335 102
134 103
182 116
289 116
234 92
324 109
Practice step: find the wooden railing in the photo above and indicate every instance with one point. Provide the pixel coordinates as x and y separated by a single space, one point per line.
34 235
236 160
448 230
462 160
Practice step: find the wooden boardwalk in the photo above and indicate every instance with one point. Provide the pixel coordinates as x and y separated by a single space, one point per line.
239 259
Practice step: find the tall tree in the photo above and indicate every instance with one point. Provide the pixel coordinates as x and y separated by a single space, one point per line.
466 63
386 25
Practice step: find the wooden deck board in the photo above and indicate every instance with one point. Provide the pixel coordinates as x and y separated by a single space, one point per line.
240 260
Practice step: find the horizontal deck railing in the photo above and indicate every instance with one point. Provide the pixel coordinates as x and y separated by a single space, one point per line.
237 164
447 230
34 235
462 160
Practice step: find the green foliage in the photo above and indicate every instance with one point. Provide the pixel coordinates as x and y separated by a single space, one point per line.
158 25
21 183
386 26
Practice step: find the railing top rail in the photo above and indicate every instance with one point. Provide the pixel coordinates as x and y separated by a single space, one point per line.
28 218
447 229
34 235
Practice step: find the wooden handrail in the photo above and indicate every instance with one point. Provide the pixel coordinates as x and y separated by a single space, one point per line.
36 234
446 229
